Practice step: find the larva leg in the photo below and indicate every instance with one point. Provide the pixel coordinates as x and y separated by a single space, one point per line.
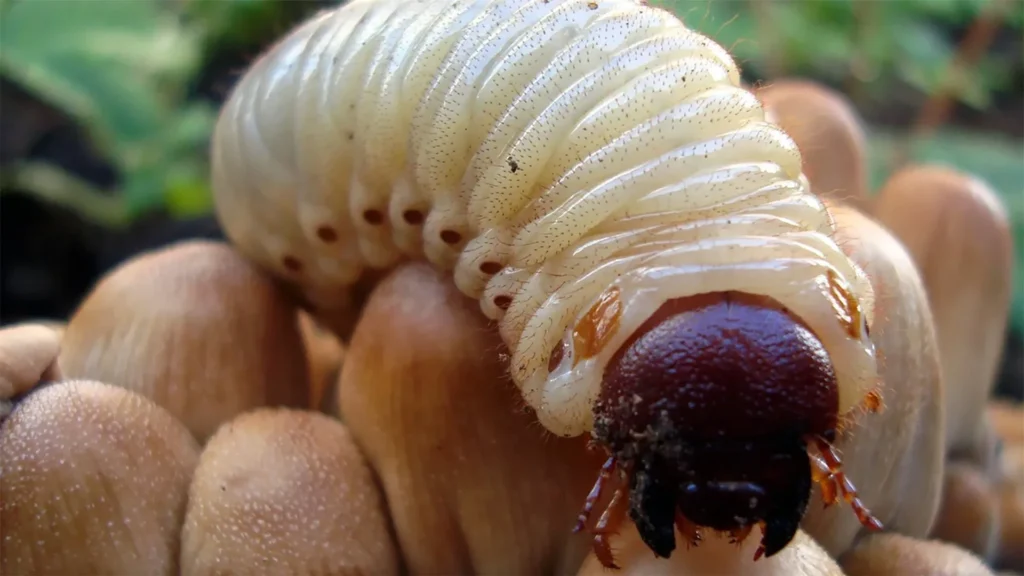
609 525
595 494
614 512
842 484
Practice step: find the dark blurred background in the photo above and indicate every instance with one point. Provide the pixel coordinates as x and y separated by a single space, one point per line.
106 107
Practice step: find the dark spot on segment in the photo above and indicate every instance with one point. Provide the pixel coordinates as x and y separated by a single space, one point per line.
327 234
292 263
450 236
413 217
512 164
490 268
502 302
374 217
592 5
557 354
350 135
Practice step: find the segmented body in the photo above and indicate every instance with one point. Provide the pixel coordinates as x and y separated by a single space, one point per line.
573 163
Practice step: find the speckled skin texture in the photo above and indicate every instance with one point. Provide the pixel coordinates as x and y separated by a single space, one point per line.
543 153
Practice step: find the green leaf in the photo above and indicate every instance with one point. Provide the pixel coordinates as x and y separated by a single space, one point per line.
118 67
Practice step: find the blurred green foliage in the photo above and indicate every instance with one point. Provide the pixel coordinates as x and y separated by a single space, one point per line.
123 69
120 70
866 45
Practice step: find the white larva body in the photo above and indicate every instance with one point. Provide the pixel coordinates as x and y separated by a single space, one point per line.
571 146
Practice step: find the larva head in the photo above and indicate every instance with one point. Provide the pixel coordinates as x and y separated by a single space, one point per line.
709 402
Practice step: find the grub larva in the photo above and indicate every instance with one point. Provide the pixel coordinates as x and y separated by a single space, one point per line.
593 172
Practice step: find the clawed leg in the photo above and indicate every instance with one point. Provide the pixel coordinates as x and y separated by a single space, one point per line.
612 517
608 525
595 494
827 471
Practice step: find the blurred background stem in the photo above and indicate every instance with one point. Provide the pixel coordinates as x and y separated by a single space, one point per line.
53 185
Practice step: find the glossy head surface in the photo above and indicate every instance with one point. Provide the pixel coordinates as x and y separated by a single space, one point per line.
723 365
710 401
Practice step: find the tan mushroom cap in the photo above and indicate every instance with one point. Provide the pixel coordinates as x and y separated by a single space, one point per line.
969 516
94 481
286 491
28 354
898 555
196 328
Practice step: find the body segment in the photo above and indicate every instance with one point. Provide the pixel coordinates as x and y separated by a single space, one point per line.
575 164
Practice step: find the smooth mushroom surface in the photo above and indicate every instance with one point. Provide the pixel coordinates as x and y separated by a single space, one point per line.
324 353
28 355
196 328
957 231
899 555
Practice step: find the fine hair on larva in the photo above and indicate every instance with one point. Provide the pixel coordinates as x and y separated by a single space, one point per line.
573 164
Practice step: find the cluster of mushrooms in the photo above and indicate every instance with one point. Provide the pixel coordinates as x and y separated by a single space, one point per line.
191 418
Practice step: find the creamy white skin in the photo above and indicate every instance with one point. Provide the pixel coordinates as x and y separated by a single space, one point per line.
577 144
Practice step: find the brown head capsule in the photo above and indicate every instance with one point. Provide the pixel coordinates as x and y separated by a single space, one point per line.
706 410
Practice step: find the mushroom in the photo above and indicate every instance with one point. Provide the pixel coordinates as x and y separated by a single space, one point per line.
324 355
957 230
28 355
285 492
895 555
93 480
196 328
969 516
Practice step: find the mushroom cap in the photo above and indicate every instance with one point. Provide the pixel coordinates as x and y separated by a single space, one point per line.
28 354
94 480
196 328
287 491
